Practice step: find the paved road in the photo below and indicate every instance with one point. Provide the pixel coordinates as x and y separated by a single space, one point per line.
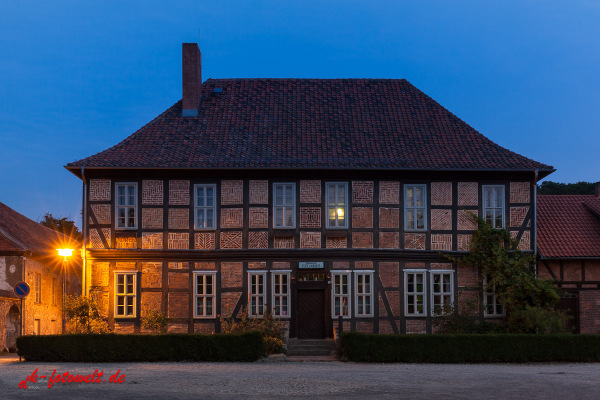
309 380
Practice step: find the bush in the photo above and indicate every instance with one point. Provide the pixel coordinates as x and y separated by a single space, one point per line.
268 325
490 348
155 321
83 316
138 348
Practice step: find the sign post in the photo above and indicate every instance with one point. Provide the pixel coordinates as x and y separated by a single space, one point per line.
21 290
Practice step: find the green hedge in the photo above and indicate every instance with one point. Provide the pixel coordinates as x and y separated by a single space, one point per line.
469 348
134 348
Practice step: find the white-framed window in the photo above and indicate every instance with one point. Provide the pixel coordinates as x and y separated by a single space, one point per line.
340 299
54 287
37 286
281 294
415 207
204 293
493 205
337 204
125 294
442 292
363 293
205 206
257 293
284 205
492 306
126 205
415 301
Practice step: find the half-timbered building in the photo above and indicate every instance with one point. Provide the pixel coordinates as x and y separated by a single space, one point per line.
313 198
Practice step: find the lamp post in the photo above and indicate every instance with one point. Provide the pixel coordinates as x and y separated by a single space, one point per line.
64 253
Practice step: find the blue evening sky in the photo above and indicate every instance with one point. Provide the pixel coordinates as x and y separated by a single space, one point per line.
77 77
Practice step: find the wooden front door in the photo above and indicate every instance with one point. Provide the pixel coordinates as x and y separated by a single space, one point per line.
311 314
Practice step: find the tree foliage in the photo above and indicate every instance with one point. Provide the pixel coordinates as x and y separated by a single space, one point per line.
156 321
549 187
62 225
83 316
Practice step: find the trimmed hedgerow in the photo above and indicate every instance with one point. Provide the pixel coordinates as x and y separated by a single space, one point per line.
135 348
516 348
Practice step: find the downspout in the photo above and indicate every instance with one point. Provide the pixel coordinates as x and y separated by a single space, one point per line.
84 228
535 218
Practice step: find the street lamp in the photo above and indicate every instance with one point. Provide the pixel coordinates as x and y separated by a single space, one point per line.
64 253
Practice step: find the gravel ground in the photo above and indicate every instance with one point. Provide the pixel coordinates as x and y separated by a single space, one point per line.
309 380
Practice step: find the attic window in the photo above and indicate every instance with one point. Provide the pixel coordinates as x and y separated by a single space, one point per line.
218 90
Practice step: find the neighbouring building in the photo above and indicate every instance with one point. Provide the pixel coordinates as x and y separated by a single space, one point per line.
28 253
313 198
569 254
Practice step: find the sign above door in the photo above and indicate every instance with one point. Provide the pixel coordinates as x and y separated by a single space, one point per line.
311 265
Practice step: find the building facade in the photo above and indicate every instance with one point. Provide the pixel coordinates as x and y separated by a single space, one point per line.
312 199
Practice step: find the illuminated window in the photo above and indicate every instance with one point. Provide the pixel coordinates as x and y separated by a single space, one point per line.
363 293
284 205
125 294
126 205
205 208
256 293
337 205
38 287
442 292
414 289
492 306
493 205
205 294
340 282
415 204
281 294
54 291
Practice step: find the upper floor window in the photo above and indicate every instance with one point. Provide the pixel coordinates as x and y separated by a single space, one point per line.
414 289
442 292
125 294
492 305
493 205
205 207
38 287
281 294
204 291
337 205
340 282
257 293
284 205
363 283
54 286
126 203
415 207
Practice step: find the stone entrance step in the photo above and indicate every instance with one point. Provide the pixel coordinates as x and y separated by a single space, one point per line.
311 347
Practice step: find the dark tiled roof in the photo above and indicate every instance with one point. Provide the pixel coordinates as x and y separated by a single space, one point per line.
567 227
310 123
26 234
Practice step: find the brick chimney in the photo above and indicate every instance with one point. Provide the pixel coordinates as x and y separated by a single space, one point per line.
191 79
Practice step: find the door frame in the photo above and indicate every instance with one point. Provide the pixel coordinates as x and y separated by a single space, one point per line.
312 285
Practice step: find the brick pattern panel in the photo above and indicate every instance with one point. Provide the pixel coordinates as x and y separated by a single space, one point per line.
179 193
441 220
310 191
177 328
179 240
362 240
151 301
258 240
519 192
389 218
228 303
100 190
259 192
389 240
464 242
151 275
281 265
572 271
394 300
232 217
364 326
179 280
310 217
389 192
468 194
179 265
441 193
124 328
102 299
336 242
416 327
100 274
204 241
441 242
102 213
130 266
525 242
283 242
467 276
179 218
126 242
152 218
204 328
385 327
232 192
310 240
231 240
362 192
257 265
517 216
389 272
414 241
107 235
363 265
341 265
152 192
178 305
589 311
436 266
258 217
362 217
466 222
231 274
152 240
95 240
205 265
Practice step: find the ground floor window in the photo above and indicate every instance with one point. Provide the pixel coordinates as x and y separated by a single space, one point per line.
204 292
363 285
492 305
442 292
340 282
281 294
414 289
125 294
256 293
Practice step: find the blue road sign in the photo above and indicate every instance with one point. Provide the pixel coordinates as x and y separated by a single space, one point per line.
21 289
